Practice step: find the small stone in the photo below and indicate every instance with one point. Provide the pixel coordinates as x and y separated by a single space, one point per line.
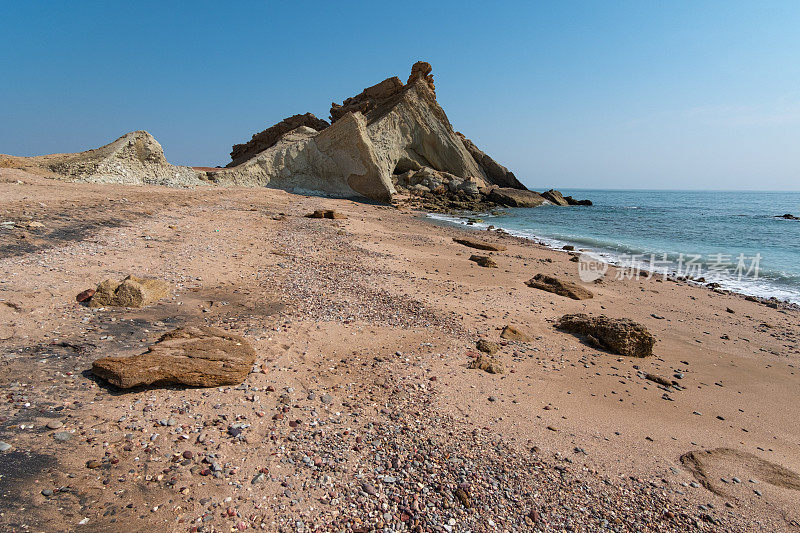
93 463
369 488
62 436
188 454
259 478
47 493
327 399
55 424
4 446
492 399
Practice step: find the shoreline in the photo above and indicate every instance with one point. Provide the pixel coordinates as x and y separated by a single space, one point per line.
611 258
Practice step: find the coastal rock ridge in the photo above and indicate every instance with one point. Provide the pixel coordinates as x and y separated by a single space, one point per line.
391 138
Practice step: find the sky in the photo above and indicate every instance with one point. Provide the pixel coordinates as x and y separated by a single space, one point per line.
591 94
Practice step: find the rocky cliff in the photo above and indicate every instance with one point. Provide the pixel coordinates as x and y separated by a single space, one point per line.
391 137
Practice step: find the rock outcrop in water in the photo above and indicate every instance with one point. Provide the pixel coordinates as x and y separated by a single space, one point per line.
391 137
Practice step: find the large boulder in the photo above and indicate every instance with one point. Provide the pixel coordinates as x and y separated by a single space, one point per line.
515 197
196 356
617 335
555 197
560 287
132 291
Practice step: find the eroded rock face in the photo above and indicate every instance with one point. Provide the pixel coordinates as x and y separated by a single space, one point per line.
130 292
617 335
135 158
196 356
494 171
422 70
270 136
560 287
515 197
338 161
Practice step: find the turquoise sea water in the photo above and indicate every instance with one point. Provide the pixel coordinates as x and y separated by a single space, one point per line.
729 237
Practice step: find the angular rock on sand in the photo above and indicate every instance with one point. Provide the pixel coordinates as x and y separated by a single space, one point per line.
130 292
479 245
197 356
487 346
516 197
327 213
487 364
511 333
617 335
483 260
557 286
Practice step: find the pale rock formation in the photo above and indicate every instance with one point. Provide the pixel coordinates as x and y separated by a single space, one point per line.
135 158
270 136
494 171
337 161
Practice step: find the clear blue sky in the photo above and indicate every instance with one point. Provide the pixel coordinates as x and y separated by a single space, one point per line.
610 94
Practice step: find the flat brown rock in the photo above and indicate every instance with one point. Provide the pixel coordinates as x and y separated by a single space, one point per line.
557 286
130 292
479 245
617 335
197 356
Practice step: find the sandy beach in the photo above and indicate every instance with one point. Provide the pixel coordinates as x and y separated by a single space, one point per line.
361 412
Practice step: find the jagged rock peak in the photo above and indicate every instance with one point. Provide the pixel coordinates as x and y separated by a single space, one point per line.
422 70
384 94
270 136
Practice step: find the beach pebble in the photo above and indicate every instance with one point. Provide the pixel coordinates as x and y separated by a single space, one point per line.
62 436
55 424
4 446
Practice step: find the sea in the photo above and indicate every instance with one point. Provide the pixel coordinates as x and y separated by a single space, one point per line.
730 238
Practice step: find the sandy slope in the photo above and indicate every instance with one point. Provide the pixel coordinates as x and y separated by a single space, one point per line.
380 313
